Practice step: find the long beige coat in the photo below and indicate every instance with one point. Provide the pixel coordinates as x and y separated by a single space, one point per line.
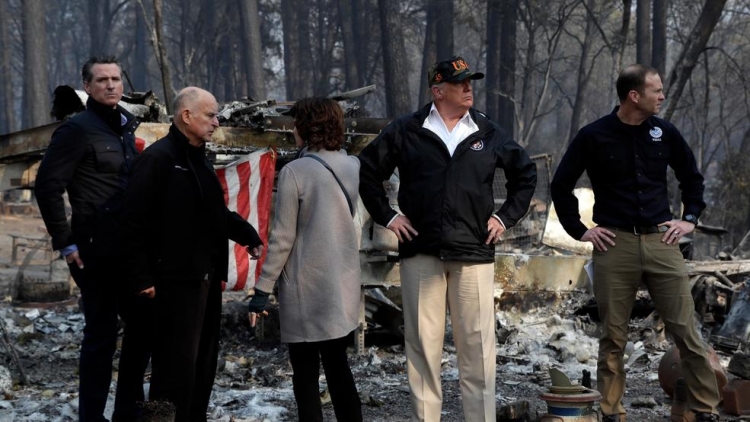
313 251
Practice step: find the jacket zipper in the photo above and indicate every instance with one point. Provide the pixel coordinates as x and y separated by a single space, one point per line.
195 175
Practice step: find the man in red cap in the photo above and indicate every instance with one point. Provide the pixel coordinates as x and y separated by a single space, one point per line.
446 155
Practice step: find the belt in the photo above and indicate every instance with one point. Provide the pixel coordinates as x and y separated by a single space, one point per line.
639 230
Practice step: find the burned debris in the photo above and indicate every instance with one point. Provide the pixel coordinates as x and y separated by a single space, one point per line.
255 385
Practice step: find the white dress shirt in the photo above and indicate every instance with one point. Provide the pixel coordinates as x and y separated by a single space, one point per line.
463 129
435 124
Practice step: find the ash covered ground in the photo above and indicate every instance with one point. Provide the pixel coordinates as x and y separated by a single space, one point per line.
254 377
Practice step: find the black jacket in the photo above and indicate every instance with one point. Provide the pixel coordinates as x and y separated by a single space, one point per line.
90 156
447 199
176 221
627 166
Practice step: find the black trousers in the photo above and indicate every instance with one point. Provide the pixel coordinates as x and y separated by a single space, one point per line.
99 286
102 292
186 348
306 359
138 314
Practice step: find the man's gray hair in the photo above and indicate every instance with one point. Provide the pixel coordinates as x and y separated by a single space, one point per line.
438 85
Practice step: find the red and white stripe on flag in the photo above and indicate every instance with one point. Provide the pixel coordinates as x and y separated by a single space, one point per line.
248 188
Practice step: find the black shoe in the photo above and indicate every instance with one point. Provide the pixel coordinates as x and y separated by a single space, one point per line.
706 417
613 418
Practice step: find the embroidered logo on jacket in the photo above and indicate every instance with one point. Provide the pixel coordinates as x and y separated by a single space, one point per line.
655 134
178 167
477 145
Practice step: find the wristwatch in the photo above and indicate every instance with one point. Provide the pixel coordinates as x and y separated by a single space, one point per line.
690 218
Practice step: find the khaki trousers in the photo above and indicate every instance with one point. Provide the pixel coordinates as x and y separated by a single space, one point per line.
617 274
427 283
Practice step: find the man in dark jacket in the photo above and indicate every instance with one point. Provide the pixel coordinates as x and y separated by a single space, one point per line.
90 157
177 231
626 155
446 154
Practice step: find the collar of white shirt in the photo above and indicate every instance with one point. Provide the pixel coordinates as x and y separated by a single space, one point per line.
435 123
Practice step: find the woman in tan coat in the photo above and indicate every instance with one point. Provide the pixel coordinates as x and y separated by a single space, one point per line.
313 253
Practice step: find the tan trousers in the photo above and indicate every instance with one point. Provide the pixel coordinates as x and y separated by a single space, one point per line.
427 283
617 275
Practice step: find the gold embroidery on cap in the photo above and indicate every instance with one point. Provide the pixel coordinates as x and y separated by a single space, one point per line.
460 65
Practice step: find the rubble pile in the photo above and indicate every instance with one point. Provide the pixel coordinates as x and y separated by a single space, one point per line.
254 376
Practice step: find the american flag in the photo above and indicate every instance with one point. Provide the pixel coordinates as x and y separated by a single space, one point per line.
248 187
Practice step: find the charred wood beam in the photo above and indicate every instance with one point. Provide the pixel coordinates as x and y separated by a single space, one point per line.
724 280
354 93
25 144
272 131
728 268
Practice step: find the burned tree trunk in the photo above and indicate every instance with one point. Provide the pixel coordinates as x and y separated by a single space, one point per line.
213 20
501 61
361 9
162 50
297 49
643 32
35 86
139 68
325 41
429 52
229 65
346 22
185 39
253 52
583 72
622 36
7 121
659 47
395 61
444 20
291 47
688 58
96 28
506 109
492 77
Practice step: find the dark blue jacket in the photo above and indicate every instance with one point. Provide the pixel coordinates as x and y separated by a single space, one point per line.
627 166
